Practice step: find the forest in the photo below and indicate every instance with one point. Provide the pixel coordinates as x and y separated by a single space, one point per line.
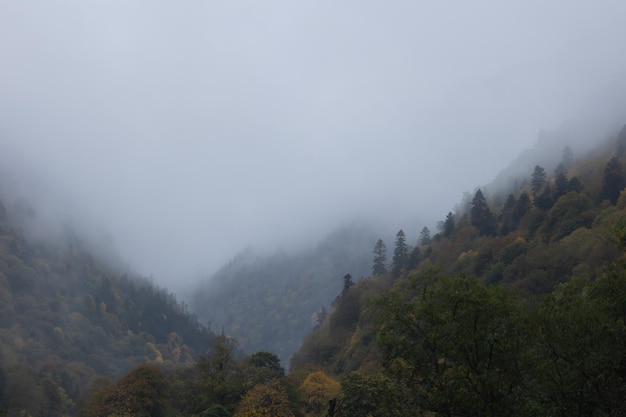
514 306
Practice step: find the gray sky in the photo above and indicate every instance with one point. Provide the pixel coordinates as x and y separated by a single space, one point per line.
187 130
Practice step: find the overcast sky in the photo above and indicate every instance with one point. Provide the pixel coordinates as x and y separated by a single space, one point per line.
186 130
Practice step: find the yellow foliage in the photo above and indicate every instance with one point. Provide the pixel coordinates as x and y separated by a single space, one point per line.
265 400
317 389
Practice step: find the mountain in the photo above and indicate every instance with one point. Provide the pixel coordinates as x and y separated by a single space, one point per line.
272 302
67 318
515 308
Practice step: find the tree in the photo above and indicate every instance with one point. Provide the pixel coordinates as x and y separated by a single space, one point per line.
456 345
317 390
581 347
545 200
425 238
449 225
414 258
143 392
265 400
379 266
538 179
347 282
262 367
613 180
219 377
560 181
507 215
400 254
522 207
574 185
370 395
481 216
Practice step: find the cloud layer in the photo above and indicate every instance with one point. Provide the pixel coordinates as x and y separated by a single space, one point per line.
188 130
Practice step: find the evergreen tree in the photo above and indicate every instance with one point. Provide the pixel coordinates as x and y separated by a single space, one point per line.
449 224
538 179
425 236
379 266
481 216
560 181
507 215
414 257
521 208
400 254
574 185
613 180
545 200
347 282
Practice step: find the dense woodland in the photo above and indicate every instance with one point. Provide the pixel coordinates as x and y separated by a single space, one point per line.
514 306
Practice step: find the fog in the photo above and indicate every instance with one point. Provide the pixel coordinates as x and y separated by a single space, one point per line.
180 132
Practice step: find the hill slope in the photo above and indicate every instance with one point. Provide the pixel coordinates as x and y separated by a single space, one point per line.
67 318
515 307
271 303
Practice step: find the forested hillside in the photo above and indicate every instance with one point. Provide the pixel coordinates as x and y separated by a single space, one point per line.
514 307
273 302
67 319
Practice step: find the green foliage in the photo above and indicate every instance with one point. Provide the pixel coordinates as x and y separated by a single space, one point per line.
370 395
456 345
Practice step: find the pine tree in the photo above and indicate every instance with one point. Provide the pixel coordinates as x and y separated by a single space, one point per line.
481 216
400 254
379 266
449 224
613 180
521 208
507 215
538 179
560 181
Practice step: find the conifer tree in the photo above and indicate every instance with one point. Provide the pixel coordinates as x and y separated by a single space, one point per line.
613 180
379 266
560 181
545 200
347 282
400 254
507 215
481 216
449 224
521 208
538 179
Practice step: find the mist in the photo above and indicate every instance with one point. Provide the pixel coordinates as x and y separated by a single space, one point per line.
178 133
